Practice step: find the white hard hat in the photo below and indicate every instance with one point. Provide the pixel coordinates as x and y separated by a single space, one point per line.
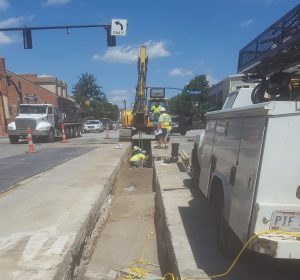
162 109
135 148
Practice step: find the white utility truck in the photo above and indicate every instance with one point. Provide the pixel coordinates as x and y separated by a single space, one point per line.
247 162
45 121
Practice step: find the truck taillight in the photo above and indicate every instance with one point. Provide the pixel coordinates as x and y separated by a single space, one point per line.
298 192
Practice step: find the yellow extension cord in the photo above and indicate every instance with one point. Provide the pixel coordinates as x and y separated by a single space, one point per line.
138 272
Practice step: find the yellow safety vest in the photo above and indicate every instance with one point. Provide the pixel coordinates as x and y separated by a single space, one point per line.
155 110
137 157
164 121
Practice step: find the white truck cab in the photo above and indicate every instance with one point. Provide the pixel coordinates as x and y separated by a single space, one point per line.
40 118
247 165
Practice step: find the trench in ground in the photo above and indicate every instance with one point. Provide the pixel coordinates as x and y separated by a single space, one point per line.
129 233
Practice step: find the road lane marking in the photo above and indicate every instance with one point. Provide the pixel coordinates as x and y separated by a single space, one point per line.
33 246
58 246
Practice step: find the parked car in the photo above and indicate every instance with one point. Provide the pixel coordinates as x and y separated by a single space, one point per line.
180 124
93 125
107 123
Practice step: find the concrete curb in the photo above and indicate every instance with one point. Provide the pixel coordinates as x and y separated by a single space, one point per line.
172 202
54 215
69 268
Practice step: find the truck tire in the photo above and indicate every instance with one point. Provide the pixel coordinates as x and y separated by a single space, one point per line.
227 242
75 132
51 135
67 132
71 132
195 168
79 132
13 139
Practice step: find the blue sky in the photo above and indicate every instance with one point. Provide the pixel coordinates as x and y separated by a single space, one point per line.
184 38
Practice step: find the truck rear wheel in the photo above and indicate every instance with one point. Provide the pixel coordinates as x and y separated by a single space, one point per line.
79 132
195 168
13 139
71 132
67 132
227 242
75 132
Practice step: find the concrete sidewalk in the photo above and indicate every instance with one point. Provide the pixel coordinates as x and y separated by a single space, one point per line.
47 220
173 197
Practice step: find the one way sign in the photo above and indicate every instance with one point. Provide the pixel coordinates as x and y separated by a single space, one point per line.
118 27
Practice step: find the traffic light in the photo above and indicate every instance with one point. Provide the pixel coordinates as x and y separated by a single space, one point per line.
27 39
111 40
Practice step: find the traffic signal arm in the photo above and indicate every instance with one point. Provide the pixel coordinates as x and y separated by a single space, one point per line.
27 37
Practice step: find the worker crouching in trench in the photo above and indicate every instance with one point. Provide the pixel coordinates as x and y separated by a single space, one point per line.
139 157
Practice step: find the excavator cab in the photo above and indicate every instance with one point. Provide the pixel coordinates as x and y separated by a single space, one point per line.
157 97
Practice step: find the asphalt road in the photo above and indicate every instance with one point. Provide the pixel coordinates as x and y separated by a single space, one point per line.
16 164
17 168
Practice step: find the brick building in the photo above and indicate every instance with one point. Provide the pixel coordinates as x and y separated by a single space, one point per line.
26 88
52 84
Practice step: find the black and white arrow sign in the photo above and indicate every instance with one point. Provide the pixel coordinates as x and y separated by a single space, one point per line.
118 27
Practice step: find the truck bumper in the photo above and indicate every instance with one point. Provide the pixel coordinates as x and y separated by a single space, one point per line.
24 133
278 246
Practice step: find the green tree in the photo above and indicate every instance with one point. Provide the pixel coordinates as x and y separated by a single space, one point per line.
189 101
87 88
200 101
92 100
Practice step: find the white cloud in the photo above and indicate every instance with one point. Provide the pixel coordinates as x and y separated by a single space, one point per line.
4 4
44 76
247 23
56 2
12 22
180 72
117 97
156 49
4 39
119 54
129 54
211 80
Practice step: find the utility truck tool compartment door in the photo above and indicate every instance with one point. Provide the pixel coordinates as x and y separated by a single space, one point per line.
243 190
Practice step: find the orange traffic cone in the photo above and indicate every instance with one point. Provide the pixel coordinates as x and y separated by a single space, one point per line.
64 138
30 142
106 133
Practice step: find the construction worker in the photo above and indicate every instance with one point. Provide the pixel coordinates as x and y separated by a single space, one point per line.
164 122
155 111
138 159
136 150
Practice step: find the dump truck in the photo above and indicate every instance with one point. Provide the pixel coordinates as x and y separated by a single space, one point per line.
246 163
46 121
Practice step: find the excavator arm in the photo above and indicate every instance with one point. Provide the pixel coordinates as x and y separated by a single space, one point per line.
140 104
138 117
